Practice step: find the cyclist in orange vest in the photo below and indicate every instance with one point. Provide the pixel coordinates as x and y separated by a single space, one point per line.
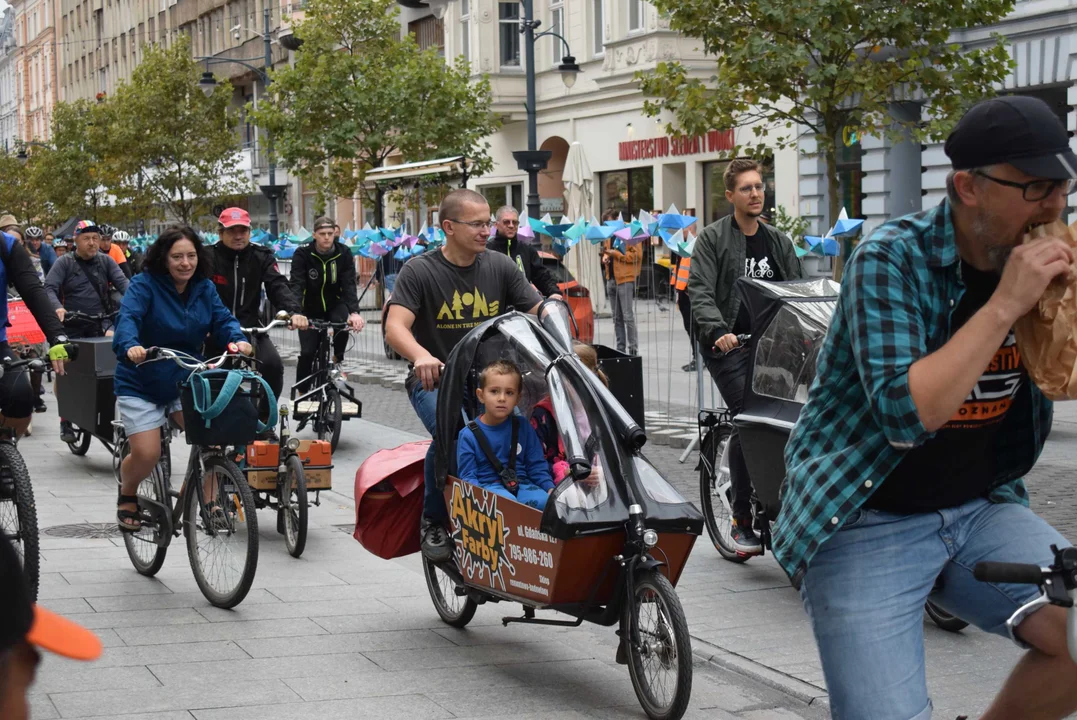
678 279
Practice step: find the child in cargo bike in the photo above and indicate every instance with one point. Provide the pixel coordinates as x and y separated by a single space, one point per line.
499 451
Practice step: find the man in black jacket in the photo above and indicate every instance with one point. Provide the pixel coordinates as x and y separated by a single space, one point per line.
323 278
525 256
239 271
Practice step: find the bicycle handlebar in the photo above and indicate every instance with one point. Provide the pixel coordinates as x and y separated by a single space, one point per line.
189 362
279 322
76 315
1003 572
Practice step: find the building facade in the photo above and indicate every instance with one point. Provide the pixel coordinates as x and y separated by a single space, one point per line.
35 67
9 96
881 179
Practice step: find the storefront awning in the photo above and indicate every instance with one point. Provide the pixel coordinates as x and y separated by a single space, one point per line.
453 166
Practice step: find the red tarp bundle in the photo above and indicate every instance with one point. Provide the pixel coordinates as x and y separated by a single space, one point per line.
389 500
23 328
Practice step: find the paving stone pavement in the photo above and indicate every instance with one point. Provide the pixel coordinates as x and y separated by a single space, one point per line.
363 638
337 633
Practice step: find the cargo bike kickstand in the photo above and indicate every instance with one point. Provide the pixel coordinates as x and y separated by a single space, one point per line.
281 473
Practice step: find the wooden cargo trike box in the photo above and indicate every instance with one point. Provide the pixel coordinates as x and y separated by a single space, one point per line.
500 550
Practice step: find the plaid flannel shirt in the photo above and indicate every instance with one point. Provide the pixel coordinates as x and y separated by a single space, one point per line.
900 288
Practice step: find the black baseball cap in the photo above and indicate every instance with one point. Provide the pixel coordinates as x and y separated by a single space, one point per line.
20 620
1015 129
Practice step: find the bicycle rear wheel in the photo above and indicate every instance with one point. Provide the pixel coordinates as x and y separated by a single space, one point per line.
143 547
453 608
221 531
293 506
18 513
714 484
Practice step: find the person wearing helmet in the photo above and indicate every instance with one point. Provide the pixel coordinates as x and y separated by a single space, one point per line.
59 247
41 254
114 251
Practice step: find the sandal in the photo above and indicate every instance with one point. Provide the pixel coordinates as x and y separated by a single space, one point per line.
124 517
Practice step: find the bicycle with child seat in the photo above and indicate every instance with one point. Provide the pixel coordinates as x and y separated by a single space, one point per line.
214 508
18 511
324 399
789 321
282 487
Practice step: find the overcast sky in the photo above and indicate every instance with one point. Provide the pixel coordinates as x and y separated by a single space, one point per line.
3 7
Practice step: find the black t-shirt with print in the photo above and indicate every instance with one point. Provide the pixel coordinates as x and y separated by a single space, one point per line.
957 464
757 264
449 301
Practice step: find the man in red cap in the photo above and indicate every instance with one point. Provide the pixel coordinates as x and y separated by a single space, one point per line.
24 629
240 269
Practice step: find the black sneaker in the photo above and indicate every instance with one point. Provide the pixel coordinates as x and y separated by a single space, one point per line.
39 406
435 542
67 432
269 436
744 539
690 367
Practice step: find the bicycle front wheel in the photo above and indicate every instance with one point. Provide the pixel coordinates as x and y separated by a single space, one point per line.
18 513
332 416
221 527
293 506
660 664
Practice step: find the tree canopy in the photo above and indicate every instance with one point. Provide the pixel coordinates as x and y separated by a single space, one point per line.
827 67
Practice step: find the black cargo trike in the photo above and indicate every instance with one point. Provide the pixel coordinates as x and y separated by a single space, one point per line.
614 536
789 322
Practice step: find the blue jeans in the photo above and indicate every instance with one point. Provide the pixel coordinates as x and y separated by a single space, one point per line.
426 405
865 592
527 494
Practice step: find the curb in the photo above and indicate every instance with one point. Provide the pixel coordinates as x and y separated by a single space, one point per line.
807 693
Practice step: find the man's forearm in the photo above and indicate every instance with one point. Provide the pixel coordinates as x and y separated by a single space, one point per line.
941 381
405 344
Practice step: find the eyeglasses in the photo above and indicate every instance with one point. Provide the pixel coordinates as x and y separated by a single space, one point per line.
474 224
1034 190
747 189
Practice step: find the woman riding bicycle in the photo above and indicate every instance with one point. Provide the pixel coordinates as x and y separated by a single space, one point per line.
174 304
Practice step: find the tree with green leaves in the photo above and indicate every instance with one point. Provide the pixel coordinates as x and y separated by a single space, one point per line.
19 195
70 172
830 67
359 93
169 144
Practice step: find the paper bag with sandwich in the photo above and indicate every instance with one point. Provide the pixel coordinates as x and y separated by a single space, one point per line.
1047 334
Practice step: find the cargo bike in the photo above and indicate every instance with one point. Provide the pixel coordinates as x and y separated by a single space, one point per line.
614 537
789 321
282 472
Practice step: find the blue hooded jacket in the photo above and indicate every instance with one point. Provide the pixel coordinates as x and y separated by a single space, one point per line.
154 314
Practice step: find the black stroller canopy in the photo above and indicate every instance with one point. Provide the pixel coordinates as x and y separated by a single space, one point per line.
598 437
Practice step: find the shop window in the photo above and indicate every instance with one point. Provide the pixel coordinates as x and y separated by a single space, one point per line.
715 205
499 195
628 191
508 14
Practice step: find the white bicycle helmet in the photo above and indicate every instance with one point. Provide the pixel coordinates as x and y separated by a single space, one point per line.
120 236
34 233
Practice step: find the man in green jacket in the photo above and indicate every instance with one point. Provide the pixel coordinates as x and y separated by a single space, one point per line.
738 245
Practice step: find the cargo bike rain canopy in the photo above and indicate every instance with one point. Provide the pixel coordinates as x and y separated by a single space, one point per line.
600 440
789 321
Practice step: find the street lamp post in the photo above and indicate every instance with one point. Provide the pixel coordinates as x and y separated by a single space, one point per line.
272 191
533 161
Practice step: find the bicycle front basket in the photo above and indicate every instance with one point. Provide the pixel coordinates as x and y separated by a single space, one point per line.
236 423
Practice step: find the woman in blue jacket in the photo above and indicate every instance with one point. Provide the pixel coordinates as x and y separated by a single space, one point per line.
172 304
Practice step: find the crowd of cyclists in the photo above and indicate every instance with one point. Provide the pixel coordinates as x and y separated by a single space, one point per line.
889 484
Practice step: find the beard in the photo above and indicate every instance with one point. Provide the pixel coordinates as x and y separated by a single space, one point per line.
997 248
